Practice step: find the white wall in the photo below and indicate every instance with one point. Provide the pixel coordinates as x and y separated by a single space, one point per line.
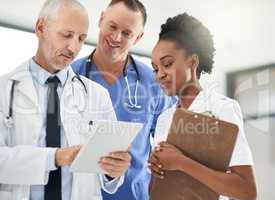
255 92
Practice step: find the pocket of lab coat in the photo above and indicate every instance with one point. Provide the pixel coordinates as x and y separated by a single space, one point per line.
5 195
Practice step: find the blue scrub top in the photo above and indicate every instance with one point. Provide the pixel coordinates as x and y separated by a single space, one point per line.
152 101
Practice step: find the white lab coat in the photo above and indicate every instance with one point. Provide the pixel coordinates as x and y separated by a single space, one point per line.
22 163
221 107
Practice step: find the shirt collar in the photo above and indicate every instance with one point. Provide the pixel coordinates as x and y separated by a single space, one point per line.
196 104
41 75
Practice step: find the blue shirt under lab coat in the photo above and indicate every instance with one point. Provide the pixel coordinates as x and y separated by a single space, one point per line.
152 101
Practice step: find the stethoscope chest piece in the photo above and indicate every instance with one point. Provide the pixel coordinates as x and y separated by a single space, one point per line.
8 122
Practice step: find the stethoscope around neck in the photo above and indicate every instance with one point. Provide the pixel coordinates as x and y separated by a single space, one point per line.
131 103
8 120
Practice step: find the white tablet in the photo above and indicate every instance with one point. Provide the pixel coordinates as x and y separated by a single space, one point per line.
106 136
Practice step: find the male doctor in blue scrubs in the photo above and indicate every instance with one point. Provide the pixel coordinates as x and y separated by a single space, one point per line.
134 93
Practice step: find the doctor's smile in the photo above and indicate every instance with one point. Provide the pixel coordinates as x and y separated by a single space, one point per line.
112 44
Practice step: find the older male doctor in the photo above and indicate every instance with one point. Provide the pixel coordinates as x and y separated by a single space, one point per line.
44 114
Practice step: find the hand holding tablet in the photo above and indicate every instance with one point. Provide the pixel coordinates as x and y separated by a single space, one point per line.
106 137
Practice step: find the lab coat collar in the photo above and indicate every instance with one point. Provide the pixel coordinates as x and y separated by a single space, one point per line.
202 102
71 75
24 82
197 104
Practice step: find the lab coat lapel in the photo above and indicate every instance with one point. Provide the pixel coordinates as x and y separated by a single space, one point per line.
25 84
70 117
68 85
71 74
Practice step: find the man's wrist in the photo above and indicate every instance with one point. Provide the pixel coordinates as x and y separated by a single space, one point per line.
57 158
51 153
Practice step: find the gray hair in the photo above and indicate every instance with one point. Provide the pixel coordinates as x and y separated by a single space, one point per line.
50 8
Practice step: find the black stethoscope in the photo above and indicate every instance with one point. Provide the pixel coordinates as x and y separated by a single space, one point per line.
131 104
8 120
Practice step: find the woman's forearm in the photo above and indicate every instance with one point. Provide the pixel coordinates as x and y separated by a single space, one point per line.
227 184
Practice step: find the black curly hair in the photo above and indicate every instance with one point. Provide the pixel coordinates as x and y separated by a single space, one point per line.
190 34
